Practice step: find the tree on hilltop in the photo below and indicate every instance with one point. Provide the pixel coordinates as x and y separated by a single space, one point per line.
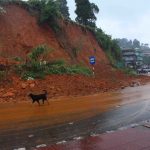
86 12
63 8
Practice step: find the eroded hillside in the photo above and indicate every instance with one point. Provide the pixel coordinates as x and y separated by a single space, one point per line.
20 32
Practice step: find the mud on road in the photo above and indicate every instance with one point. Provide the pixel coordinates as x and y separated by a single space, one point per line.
27 125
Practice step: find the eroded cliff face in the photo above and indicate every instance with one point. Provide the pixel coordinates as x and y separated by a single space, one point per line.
20 32
83 41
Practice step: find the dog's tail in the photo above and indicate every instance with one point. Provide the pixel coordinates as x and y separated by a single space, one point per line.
45 92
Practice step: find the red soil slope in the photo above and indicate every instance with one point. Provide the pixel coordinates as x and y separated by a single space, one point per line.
20 32
80 38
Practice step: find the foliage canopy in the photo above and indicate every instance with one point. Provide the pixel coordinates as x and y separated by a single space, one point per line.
86 12
63 8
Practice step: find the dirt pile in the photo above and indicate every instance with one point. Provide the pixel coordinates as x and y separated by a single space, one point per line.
63 85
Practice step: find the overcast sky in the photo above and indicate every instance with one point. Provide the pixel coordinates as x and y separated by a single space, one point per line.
122 18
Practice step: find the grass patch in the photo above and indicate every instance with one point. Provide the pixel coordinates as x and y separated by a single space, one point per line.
40 70
129 71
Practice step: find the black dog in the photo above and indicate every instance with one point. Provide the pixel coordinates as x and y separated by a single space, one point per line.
37 98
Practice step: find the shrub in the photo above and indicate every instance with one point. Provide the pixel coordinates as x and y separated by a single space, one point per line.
3 75
38 51
48 12
75 51
19 59
2 10
77 69
38 70
129 71
59 62
109 45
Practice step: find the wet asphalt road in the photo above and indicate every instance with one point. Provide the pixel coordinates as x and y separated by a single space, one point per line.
133 107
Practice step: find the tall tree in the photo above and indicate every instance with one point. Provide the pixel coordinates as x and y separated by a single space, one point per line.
63 8
136 43
86 12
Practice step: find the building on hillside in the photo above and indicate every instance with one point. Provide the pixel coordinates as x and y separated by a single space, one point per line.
146 52
146 57
133 58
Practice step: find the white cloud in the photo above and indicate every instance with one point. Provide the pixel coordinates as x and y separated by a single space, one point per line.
122 18
138 28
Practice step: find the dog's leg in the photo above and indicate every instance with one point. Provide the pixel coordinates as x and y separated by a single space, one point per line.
38 103
43 101
47 101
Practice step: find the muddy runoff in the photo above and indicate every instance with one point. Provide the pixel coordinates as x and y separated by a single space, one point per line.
24 115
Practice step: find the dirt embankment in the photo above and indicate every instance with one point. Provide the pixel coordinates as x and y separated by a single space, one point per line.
20 32
64 85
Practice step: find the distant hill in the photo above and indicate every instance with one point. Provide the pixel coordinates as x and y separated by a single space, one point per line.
125 43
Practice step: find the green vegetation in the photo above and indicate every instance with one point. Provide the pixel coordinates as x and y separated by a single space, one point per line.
2 10
146 60
78 45
75 52
2 75
86 12
19 59
48 12
38 51
67 69
39 69
129 71
109 45
62 5
125 43
17 2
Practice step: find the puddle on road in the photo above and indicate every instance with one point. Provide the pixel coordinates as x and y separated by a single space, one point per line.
67 109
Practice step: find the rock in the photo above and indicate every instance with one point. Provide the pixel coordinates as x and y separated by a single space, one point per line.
24 85
58 89
138 83
20 148
9 94
52 87
123 87
30 78
31 135
1 89
42 145
134 83
30 81
105 90
32 85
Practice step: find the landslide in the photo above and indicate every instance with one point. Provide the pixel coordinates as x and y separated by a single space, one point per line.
20 33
